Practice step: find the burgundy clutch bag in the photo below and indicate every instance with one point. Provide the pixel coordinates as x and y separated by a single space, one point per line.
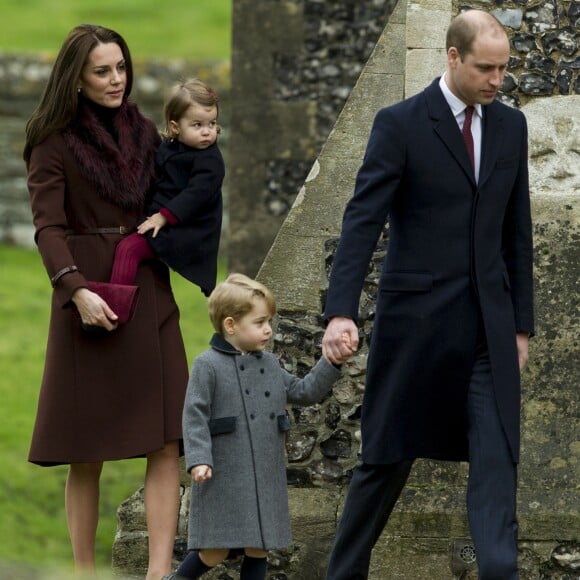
121 298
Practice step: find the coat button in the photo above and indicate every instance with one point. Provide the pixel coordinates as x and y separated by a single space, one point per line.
267 393
262 371
272 415
242 367
247 391
252 416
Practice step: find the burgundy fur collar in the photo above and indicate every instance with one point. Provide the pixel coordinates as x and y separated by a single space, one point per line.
121 172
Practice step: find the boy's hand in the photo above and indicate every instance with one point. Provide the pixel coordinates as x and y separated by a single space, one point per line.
201 473
154 222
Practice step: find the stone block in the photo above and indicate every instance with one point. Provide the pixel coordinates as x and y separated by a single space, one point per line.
427 24
389 53
422 67
130 553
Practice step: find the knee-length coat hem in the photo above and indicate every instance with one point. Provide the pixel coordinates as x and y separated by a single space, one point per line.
458 267
120 395
235 420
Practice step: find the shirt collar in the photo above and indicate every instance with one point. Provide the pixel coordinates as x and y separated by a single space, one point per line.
456 104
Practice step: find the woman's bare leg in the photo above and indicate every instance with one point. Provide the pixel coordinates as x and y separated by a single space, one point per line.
82 512
161 508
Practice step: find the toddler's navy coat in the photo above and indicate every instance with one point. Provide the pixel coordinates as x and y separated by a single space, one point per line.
188 183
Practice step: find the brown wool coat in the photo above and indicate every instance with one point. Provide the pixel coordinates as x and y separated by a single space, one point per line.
118 396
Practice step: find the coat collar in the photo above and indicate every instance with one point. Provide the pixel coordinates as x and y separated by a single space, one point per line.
121 170
171 146
219 343
445 125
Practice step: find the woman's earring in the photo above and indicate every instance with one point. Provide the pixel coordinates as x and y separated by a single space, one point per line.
78 89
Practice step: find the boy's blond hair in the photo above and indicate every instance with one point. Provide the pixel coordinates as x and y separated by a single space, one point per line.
234 297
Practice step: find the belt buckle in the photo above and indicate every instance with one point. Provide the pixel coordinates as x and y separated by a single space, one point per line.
123 230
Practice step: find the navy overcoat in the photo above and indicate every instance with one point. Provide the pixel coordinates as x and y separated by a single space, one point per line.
188 183
459 252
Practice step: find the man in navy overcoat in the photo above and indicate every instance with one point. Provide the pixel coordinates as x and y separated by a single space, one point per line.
448 169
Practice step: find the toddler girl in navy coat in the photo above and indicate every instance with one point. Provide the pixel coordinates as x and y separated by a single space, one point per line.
184 206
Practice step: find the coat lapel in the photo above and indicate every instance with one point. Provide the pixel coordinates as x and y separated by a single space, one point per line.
492 135
446 128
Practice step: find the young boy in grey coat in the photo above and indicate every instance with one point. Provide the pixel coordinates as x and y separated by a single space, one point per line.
234 424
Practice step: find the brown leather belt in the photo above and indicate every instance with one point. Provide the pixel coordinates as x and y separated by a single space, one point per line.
120 230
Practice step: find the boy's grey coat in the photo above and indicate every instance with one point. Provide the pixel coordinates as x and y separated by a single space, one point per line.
234 420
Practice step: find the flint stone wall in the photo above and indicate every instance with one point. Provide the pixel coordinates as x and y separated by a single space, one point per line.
295 61
427 536
22 80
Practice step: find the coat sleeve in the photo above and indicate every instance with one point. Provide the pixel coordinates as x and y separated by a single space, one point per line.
197 413
314 386
376 185
517 242
202 189
47 188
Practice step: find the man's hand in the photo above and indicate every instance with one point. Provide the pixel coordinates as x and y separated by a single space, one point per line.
154 222
522 344
201 473
340 340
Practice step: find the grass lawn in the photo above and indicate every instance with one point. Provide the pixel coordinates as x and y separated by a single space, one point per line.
32 525
189 29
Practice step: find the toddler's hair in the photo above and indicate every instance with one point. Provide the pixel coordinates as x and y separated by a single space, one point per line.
183 95
234 297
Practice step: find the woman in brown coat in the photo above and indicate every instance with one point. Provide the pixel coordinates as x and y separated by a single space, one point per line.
118 394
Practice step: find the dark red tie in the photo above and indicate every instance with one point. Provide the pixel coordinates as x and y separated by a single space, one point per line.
467 136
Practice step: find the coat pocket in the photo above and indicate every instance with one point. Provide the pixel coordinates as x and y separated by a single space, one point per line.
222 425
284 423
407 282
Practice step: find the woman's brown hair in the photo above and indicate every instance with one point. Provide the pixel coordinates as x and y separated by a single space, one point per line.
59 101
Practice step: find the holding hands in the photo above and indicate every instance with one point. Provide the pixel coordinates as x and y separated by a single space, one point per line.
340 340
201 473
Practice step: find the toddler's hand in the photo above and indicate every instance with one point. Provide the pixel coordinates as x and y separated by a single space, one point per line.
154 222
345 339
201 473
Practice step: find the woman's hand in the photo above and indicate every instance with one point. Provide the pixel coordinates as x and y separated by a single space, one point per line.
201 473
93 310
154 222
